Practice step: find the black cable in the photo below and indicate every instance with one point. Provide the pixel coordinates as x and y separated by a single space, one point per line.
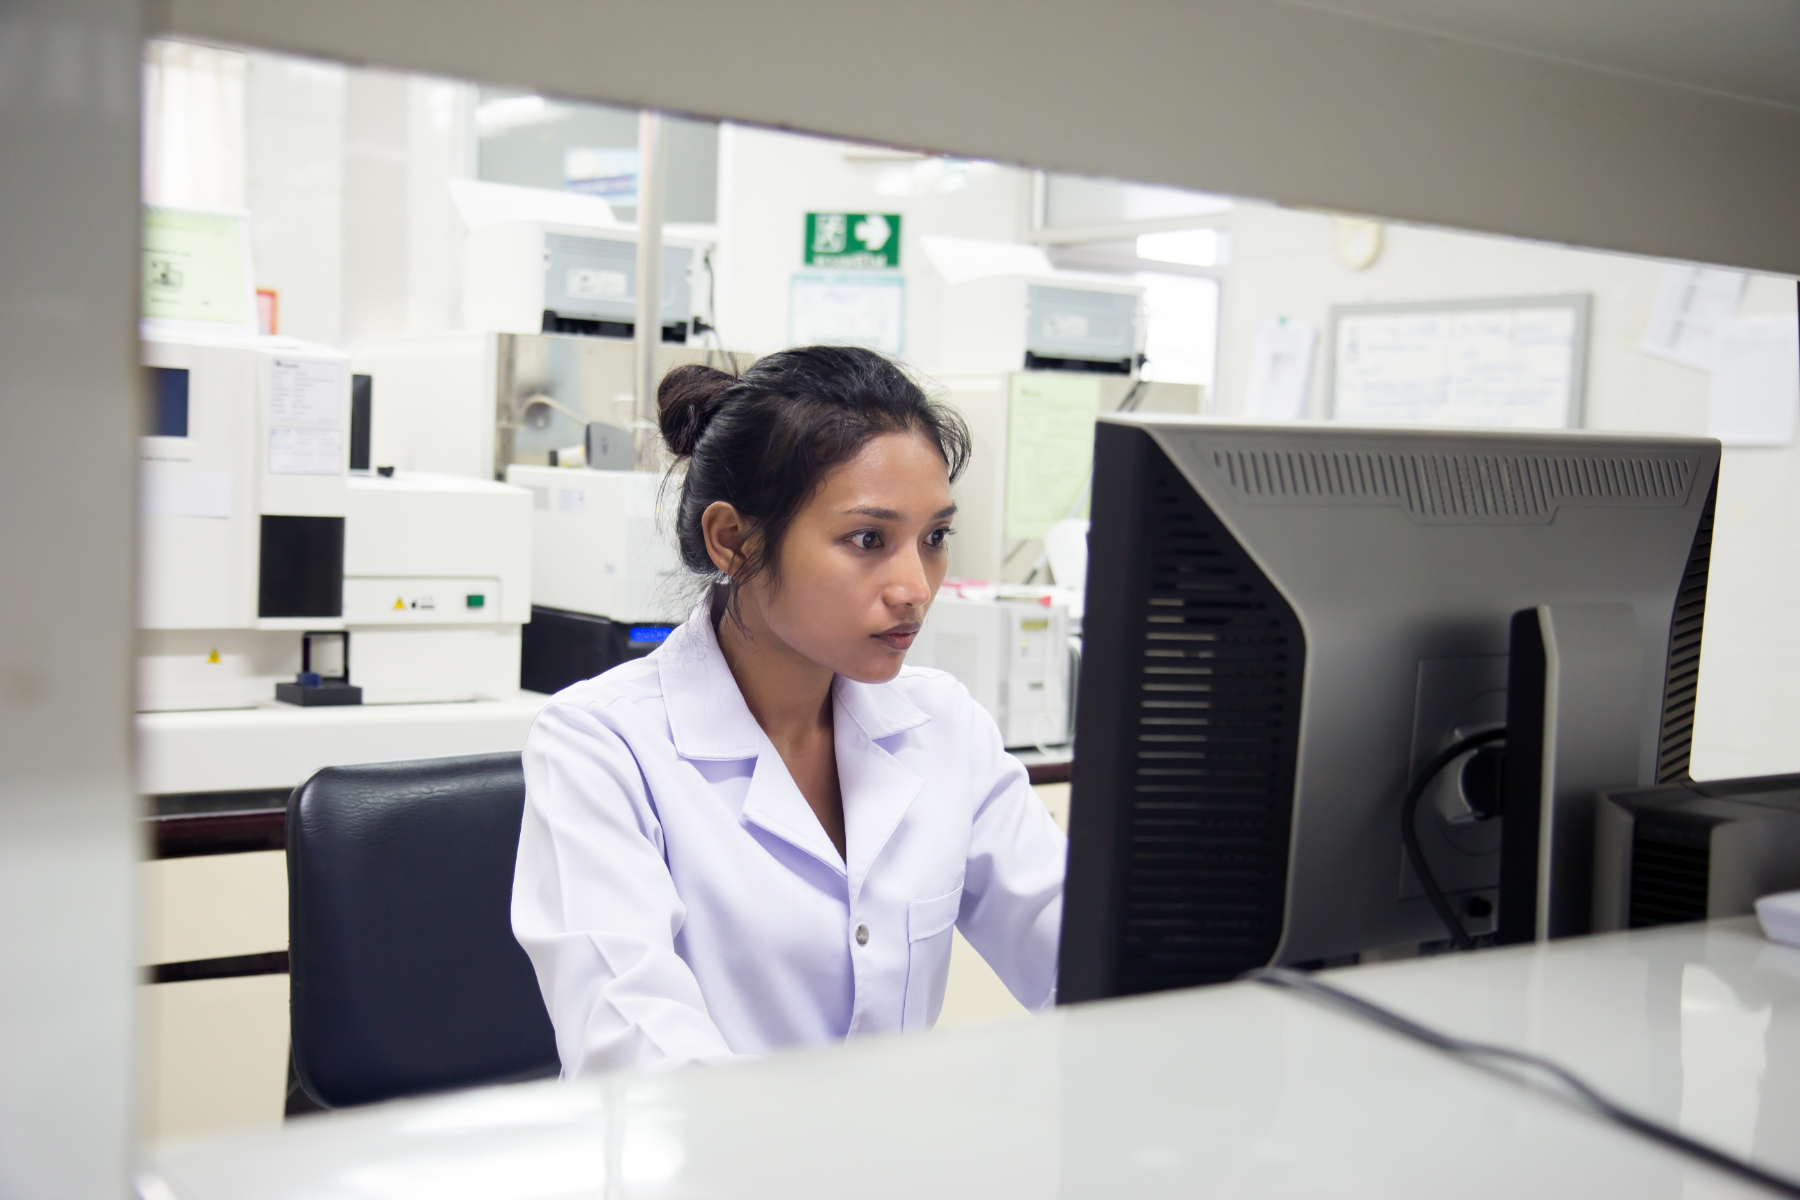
1409 834
1498 1059
712 312
1134 397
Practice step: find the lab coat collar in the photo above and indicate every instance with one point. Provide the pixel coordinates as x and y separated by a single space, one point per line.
877 789
774 803
708 718
881 709
707 713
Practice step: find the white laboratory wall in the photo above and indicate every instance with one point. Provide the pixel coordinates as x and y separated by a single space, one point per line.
441 146
1181 331
1748 721
1075 201
195 102
374 204
405 138
769 181
296 187
1286 263
351 219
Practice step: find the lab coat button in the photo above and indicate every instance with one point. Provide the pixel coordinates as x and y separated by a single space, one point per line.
862 935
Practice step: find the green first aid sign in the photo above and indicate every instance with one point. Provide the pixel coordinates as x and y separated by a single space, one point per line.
854 241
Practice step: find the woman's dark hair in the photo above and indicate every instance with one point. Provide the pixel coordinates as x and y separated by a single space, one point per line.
764 440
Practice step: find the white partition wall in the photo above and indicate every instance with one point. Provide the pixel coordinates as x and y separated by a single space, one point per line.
69 834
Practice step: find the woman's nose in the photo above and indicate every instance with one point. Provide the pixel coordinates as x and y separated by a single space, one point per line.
908 584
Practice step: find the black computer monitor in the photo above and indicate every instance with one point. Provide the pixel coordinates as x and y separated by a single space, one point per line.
1285 623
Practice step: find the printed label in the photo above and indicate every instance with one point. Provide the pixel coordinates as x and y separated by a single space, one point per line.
306 451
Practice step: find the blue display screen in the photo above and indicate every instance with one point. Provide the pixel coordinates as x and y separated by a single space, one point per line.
168 402
651 633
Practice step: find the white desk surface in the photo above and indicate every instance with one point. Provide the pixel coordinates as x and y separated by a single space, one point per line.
280 746
1236 1090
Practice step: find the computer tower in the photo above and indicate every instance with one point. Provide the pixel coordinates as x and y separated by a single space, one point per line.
1694 851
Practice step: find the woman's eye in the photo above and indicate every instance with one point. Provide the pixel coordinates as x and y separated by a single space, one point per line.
868 539
938 537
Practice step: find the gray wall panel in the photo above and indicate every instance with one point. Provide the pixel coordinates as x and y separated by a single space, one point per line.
1253 97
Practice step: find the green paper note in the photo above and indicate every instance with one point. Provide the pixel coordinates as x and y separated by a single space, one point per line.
194 267
1049 449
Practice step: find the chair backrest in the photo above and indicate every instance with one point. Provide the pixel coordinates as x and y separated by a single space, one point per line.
405 976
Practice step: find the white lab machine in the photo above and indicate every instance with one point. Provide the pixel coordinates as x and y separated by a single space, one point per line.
539 277
242 503
549 309
606 578
437 583
1018 322
1002 306
1012 655
474 403
601 544
256 540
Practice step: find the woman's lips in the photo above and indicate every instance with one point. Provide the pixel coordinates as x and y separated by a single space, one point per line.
900 637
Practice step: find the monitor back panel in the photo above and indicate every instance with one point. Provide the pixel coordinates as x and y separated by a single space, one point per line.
1284 622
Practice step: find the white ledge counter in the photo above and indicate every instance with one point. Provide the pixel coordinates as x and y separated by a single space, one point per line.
1236 1090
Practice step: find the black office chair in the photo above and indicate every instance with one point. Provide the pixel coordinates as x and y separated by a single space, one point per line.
404 974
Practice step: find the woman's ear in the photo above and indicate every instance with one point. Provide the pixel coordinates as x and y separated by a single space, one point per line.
725 531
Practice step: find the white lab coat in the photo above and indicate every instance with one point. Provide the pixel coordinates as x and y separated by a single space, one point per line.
681 902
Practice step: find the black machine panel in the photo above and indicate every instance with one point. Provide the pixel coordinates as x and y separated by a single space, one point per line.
362 410
301 567
560 648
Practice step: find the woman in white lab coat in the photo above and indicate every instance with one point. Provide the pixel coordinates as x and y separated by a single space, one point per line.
763 834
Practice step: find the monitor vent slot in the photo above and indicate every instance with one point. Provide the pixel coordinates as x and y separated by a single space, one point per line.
1668 880
1682 680
1213 764
1456 486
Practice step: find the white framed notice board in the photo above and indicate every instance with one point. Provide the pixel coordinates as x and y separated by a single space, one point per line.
1514 363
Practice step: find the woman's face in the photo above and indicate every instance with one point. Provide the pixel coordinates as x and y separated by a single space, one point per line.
862 560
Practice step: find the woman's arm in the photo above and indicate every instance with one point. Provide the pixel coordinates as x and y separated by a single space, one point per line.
595 908
1013 888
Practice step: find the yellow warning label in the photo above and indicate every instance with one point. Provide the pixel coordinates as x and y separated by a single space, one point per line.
400 603
214 656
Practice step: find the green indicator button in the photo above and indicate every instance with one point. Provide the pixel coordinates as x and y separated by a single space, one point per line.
477 600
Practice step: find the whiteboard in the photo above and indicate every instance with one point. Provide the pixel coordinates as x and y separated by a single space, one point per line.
1505 364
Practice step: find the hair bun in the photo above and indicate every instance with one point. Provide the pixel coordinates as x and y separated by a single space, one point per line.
686 401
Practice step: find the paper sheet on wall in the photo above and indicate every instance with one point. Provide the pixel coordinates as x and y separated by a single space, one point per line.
1506 368
1280 370
196 267
1049 449
848 308
1690 304
1755 381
